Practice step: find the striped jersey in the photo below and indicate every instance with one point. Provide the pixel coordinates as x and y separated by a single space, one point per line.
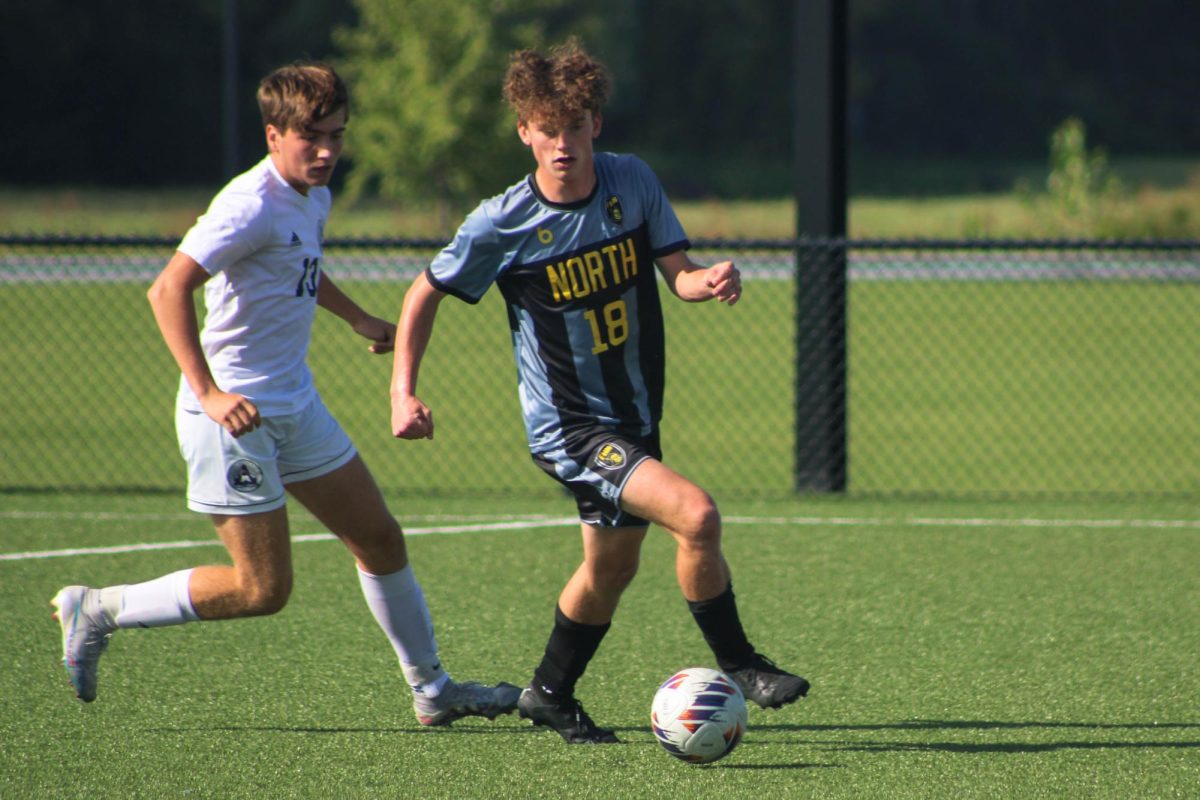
579 283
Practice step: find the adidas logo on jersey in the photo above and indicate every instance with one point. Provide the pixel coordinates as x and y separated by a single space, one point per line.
295 241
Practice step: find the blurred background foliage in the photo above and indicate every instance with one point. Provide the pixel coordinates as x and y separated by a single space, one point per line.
119 93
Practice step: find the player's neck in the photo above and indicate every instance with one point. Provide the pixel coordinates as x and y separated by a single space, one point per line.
281 168
565 189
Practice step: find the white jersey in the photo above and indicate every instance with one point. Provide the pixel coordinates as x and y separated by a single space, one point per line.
261 241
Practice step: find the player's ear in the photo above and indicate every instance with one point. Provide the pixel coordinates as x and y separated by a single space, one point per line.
523 132
273 137
597 119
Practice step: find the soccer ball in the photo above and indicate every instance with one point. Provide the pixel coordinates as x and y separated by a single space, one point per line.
698 715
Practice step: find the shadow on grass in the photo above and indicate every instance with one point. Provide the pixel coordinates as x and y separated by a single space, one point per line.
797 765
335 730
981 725
476 729
843 746
989 747
433 730
1003 747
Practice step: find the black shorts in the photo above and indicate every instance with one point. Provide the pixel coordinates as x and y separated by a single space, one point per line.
594 465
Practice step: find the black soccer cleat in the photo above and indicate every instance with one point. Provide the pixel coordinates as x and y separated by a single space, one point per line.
766 684
565 715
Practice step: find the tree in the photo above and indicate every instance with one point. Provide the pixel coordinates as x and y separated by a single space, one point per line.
429 121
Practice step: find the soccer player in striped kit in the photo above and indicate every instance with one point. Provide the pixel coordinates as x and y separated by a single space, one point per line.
573 250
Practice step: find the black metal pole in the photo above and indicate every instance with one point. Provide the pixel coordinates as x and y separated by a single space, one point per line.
820 175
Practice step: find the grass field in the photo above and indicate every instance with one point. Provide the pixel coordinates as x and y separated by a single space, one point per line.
960 647
957 650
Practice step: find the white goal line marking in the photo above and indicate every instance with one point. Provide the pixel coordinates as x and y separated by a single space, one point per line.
542 521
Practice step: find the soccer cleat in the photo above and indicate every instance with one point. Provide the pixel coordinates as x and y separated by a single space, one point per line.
566 716
460 700
766 684
85 632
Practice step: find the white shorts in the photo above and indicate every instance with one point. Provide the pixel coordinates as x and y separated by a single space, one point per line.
246 475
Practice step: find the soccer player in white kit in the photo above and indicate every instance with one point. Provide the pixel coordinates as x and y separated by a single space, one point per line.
251 425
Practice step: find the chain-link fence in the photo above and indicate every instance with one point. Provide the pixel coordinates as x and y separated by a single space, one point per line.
965 368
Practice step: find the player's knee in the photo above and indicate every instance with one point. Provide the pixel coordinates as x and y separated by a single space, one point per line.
266 598
618 577
381 549
391 533
699 523
612 574
380 532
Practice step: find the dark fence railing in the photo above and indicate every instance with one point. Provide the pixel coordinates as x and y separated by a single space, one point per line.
970 368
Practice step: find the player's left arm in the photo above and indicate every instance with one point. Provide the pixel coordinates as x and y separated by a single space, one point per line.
696 283
381 332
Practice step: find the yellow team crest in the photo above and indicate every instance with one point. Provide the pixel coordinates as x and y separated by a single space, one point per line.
612 206
610 456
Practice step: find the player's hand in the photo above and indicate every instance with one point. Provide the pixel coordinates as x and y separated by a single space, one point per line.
724 281
411 419
381 332
233 412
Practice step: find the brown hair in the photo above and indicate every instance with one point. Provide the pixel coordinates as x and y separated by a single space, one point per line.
297 95
556 89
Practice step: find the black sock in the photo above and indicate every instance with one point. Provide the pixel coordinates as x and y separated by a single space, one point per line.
722 628
571 647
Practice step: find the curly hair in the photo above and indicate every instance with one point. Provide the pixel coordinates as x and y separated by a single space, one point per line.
556 89
297 95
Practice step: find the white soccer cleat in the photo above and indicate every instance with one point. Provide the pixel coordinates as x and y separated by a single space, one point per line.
459 700
85 633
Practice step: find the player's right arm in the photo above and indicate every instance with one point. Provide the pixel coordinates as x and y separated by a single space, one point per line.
412 419
171 299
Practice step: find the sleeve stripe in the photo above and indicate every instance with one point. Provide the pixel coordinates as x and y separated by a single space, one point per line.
674 247
446 289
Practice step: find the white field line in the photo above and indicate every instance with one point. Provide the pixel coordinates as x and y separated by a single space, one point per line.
124 516
511 524
483 524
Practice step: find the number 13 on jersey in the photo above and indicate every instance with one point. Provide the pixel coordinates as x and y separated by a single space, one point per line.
309 278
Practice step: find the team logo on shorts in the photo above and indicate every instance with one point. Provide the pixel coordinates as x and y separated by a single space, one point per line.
610 456
244 476
612 207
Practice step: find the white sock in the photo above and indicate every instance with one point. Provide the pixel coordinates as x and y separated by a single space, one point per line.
398 605
153 604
